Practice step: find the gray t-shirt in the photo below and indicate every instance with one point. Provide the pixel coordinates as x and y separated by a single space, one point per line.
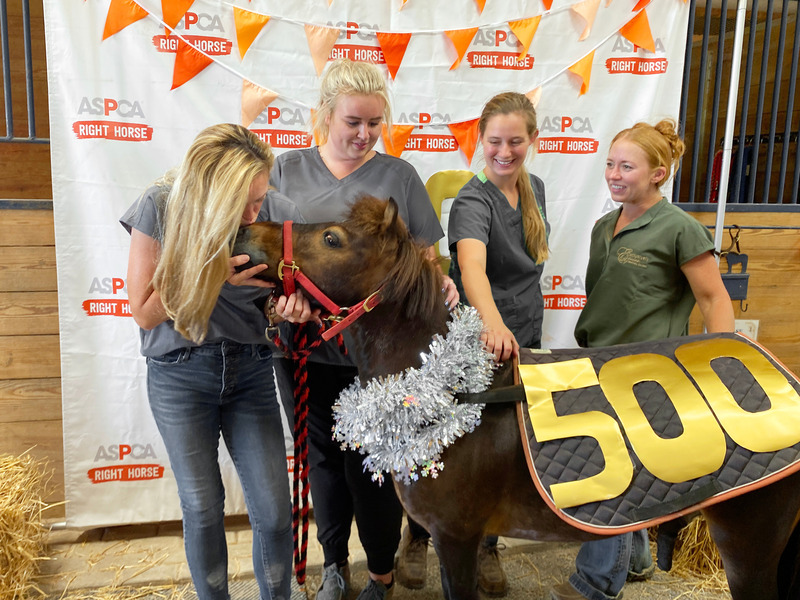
321 197
236 317
481 212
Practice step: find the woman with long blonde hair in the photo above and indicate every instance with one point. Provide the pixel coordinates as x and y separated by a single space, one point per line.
209 368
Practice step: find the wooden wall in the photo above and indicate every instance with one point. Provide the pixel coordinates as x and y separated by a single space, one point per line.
30 384
774 284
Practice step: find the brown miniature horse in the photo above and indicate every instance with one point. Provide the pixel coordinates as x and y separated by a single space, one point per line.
486 487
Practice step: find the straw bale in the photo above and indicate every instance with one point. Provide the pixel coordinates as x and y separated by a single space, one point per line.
696 555
22 535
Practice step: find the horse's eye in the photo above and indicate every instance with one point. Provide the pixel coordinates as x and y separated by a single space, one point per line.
331 239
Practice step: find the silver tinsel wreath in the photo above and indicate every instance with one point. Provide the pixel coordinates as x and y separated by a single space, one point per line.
403 422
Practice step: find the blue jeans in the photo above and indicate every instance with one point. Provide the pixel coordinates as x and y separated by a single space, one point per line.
602 565
196 393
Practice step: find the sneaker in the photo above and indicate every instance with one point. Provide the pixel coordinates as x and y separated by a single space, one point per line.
411 566
565 591
375 590
492 579
335 582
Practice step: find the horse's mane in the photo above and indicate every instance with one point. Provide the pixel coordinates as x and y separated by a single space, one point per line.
413 281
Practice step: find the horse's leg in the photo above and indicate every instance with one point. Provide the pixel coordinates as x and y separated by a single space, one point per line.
751 532
458 565
789 568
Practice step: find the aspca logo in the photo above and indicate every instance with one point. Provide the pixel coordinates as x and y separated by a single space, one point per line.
126 472
196 22
351 30
120 452
566 144
108 129
127 109
565 124
107 285
506 56
200 21
625 46
282 127
636 65
429 142
107 307
563 292
357 41
496 38
281 116
562 282
424 119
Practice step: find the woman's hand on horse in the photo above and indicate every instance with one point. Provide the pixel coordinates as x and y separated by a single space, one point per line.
500 342
450 292
296 309
247 276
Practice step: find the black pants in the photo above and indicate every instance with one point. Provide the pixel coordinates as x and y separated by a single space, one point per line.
340 489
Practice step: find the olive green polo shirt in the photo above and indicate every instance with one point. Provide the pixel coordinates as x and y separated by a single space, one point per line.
635 289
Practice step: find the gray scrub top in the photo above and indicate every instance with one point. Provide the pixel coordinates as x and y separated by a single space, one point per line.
235 316
481 211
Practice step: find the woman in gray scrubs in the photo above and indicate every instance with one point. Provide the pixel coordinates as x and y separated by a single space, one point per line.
324 181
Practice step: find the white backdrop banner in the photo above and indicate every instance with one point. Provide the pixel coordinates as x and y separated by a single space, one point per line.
133 81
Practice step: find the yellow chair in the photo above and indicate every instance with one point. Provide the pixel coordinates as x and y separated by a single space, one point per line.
443 185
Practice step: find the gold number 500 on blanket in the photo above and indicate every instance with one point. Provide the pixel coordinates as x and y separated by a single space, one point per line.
698 451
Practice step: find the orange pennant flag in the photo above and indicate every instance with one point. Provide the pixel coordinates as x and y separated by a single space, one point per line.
248 26
547 4
321 41
583 69
640 5
481 4
638 31
525 29
466 133
188 62
535 95
394 48
461 39
254 100
172 12
586 10
122 13
396 142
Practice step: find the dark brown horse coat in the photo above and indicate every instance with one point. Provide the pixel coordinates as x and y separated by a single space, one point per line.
486 487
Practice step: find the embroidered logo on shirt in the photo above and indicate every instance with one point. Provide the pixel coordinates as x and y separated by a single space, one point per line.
626 256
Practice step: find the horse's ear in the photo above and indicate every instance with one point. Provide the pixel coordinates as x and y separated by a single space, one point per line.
390 214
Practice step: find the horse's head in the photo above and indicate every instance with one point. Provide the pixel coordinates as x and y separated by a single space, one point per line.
349 260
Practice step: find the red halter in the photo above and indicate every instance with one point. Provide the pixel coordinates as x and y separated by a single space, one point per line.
291 276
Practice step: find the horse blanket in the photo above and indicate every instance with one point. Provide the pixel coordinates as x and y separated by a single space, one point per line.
626 436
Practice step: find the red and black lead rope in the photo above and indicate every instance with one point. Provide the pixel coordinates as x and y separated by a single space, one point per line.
300 487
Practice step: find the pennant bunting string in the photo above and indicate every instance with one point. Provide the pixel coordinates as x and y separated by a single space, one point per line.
638 31
248 26
466 134
525 29
583 69
461 39
394 48
122 13
188 62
